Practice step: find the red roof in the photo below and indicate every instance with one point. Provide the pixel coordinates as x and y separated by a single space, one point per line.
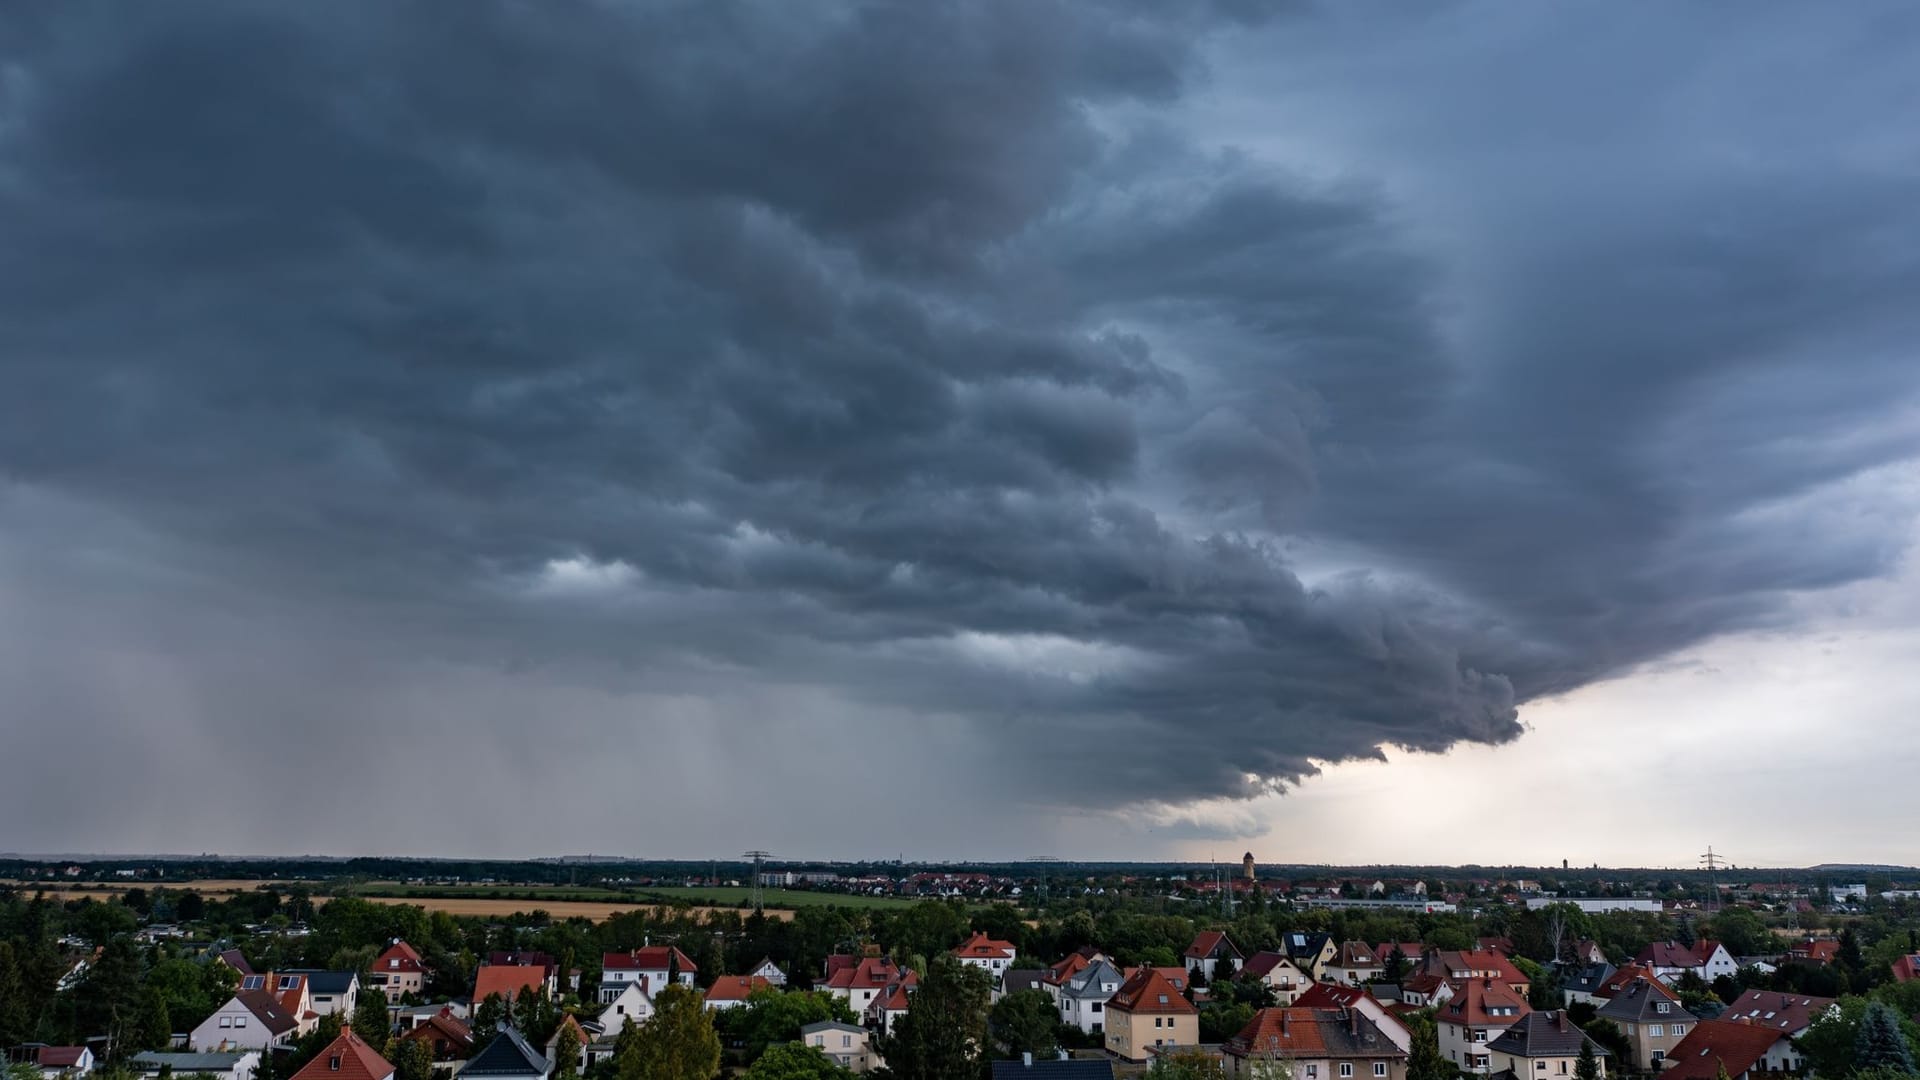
982 947
59 1057
1818 952
347 1057
652 958
1330 996
1207 943
873 973
1716 1044
1066 969
1906 968
1483 1003
1790 1014
290 990
1623 978
736 987
399 957
1148 991
507 980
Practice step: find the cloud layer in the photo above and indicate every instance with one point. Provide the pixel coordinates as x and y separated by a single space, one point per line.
1022 387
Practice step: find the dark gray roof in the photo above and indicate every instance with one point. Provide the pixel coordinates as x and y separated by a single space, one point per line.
1586 978
1548 1033
324 982
1304 946
1087 982
1053 1069
1022 979
1641 1002
507 1055
184 1064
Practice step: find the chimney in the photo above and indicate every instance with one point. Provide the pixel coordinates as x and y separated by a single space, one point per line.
346 1026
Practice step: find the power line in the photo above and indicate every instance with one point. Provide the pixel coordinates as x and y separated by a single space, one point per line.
758 857
1041 862
1712 863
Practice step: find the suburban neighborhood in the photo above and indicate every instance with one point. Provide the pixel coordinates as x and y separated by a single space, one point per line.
1129 972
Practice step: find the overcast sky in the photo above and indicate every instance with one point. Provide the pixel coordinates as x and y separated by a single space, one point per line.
1361 432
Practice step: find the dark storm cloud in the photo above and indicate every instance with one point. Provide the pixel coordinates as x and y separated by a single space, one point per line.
914 356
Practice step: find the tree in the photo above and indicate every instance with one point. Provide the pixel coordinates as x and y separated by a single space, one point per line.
1587 1067
770 1017
566 1054
1024 1022
1424 1061
1879 1042
1396 968
487 1017
940 1036
677 1042
370 1019
1187 1065
413 1059
795 1061
156 1027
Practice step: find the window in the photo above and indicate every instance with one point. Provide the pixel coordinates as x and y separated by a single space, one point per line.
1096 1006
1658 1057
333 1063
226 1021
288 982
1679 1030
1379 1068
1656 1030
1313 1071
239 1021
1346 1068
1540 1066
1163 999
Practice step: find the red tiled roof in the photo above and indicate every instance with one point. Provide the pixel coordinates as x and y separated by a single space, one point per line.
1906 969
1066 969
1206 942
399 957
982 947
873 973
1330 996
444 1028
1474 1001
736 987
59 1057
1784 1013
507 980
291 997
1412 950
1623 978
1716 1044
347 1057
652 958
1148 991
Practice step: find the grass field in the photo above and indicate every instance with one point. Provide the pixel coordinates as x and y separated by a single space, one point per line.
559 909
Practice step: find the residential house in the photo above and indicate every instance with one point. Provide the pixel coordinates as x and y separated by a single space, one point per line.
1744 1051
1817 951
1468 964
347 1057
290 990
1543 1045
1309 952
1313 1044
250 1020
448 1035
1788 1014
632 1006
891 1003
770 971
56 1061
1060 1068
988 954
1906 968
1669 960
1361 1000
1019 979
1083 997
1651 1018
1425 990
1210 951
1353 963
1476 1013
1581 983
236 960
1278 971
397 972
1148 1011
581 1039
329 993
848 1045
1410 954
730 990
867 979
653 966
1588 951
508 1057
1622 977
510 981
228 1065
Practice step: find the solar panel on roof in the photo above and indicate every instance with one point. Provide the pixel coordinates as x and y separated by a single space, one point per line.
253 982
